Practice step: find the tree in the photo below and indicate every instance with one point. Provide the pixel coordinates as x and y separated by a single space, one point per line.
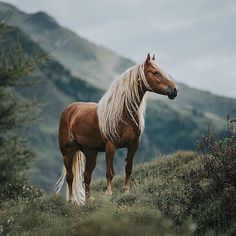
15 110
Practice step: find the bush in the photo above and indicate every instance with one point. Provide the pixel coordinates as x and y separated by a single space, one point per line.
16 191
218 158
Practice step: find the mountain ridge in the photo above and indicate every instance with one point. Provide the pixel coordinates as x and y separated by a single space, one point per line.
47 19
72 50
99 66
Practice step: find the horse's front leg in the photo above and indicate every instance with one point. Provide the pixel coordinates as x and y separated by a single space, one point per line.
110 152
132 148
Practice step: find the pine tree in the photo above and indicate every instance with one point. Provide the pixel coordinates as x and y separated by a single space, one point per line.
15 110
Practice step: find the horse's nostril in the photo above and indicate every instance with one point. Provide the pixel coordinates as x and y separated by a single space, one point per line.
171 92
174 92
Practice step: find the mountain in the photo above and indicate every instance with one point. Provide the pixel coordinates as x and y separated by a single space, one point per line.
83 58
169 125
99 65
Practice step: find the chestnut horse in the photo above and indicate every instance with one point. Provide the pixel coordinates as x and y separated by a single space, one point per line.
116 121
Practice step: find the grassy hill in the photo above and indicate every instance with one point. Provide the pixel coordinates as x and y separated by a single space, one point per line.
174 194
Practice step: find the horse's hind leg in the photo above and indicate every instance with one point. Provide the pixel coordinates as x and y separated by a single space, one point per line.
91 159
68 162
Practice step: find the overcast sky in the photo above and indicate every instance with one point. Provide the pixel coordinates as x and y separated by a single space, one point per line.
195 40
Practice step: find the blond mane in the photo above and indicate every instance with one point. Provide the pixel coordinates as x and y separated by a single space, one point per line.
122 95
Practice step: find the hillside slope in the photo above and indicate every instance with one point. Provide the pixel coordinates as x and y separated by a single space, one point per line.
83 58
172 195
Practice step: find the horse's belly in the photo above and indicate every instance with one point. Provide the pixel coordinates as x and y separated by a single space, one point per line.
93 140
93 143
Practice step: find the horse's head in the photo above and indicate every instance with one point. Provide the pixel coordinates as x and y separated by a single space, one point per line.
158 80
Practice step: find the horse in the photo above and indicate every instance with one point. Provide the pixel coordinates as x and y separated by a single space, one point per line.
116 121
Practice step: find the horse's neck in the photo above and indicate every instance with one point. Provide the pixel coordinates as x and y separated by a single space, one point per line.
135 111
142 90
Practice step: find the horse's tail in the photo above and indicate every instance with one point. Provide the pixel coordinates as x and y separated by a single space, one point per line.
78 188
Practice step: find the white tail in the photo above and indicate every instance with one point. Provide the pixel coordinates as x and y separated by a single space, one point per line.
78 188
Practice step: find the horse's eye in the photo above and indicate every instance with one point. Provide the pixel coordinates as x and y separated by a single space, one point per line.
156 73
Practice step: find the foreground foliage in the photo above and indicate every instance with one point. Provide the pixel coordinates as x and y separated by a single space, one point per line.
185 193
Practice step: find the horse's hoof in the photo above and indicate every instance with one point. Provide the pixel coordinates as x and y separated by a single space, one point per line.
90 199
125 190
108 193
70 200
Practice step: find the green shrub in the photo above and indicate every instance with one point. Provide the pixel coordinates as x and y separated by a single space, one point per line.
16 191
218 158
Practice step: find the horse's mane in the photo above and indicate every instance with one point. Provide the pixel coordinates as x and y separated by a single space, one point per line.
122 95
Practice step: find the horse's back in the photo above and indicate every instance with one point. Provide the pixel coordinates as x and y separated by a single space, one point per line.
79 105
76 109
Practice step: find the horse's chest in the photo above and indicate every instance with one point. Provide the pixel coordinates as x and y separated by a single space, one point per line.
129 135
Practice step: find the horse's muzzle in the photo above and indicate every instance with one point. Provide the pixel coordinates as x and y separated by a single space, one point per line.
171 93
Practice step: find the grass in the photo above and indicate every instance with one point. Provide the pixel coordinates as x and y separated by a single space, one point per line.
172 195
53 216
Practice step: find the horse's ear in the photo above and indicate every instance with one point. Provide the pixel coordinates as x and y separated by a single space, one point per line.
153 57
148 58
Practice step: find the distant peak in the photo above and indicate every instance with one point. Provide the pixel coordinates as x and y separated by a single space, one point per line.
43 19
7 6
41 14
